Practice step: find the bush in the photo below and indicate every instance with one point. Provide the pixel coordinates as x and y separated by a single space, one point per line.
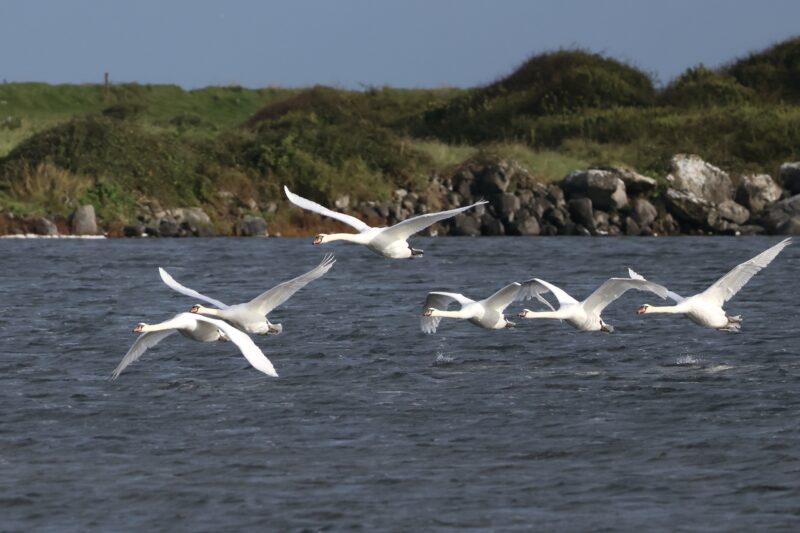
562 82
773 73
98 146
701 87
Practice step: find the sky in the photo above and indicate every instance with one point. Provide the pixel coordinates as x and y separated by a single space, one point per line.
368 43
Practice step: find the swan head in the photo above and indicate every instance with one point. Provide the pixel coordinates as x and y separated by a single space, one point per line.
428 312
139 328
319 239
198 308
523 313
644 309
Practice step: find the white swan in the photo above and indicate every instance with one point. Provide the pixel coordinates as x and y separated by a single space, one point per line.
585 315
198 328
486 313
251 316
705 308
389 242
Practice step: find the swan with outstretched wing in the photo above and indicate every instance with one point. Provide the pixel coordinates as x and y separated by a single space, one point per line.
705 308
486 313
391 242
585 315
198 328
251 316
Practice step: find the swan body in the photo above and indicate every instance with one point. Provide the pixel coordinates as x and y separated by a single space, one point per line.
486 313
585 315
251 316
705 309
198 328
390 241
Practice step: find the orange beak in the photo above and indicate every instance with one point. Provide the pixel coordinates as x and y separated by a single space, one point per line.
317 240
427 312
194 309
641 310
138 328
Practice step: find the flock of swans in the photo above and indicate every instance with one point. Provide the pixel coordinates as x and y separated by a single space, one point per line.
235 323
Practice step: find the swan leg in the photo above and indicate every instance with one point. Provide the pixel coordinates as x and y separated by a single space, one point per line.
415 251
734 324
509 324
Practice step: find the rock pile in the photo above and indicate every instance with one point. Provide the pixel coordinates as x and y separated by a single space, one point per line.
695 198
699 198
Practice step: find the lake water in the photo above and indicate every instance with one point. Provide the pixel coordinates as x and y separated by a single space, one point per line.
662 425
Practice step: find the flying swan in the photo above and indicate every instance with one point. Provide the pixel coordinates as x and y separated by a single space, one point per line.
487 313
705 308
251 316
198 328
585 315
389 242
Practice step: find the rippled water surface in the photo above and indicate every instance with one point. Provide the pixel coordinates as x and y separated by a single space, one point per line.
375 426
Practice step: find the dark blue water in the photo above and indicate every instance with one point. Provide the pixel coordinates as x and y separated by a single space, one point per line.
374 426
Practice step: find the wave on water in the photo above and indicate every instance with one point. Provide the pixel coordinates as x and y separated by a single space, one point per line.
692 361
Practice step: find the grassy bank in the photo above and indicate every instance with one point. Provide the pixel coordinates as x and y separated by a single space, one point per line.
230 149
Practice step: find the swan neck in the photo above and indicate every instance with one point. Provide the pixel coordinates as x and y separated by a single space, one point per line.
451 314
666 309
350 237
546 314
207 311
161 326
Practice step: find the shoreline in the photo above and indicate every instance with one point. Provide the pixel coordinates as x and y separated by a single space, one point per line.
695 198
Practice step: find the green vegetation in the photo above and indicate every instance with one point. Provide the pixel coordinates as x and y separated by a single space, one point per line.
119 145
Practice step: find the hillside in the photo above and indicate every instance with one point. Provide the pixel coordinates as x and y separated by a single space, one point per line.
125 148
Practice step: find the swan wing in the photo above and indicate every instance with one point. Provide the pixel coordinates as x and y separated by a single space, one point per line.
143 342
278 294
675 297
533 289
729 284
405 229
502 298
242 340
308 205
562 297
613 288
440 301
170 282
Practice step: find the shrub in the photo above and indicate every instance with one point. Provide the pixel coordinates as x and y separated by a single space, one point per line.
96 146
773 73
701 87
561 82
44 186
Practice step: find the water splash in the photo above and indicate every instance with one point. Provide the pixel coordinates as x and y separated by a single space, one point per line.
442 358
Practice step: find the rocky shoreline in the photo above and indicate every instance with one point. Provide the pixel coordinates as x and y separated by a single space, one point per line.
696 198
